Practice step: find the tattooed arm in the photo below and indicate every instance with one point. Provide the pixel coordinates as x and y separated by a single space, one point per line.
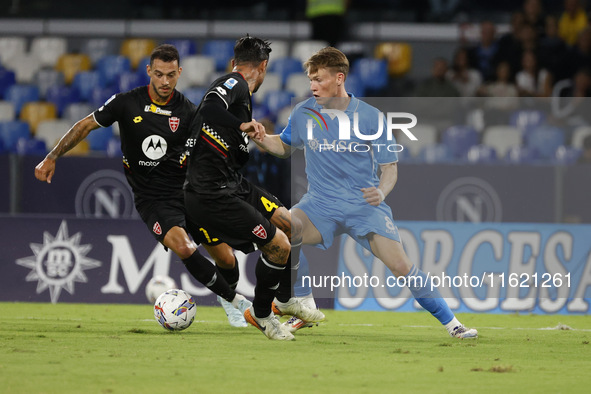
44 170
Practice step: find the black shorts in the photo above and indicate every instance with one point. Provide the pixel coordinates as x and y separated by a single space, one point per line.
161 216
240 219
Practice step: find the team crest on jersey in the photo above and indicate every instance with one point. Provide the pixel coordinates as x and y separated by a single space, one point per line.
260 232
174 123
157 229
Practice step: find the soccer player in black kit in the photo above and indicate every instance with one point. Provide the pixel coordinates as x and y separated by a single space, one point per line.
229 207
154 123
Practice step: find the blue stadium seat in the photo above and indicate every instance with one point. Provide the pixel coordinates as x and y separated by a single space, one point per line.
354 85
276 100
194 94
185 47
482 154
438 153
98 140
141 68
221 50
46 78
21 94
31 147
100 95
526 119
459 139
62 96
114 148
567 155
260 112
129 80
7 79
521 155
109 67
545 139
285 67
11 132
373 73
96 48
85 82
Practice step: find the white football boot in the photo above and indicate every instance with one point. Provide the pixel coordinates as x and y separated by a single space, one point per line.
235 316
270 326
294 323
463 332
295 307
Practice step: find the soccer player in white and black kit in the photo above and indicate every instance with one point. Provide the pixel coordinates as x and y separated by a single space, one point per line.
154 123
229 207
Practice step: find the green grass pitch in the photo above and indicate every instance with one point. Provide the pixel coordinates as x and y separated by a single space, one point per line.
81 348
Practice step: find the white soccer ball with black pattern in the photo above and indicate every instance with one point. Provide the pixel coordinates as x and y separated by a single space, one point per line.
158 285
175 310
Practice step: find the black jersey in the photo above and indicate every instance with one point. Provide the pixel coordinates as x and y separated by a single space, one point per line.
153 140
217 153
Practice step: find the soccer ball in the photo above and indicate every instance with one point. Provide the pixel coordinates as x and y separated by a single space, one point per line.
175 310
158 285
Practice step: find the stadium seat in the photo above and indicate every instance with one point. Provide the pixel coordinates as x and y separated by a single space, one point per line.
280 49
48 49
303 50
437 153
545 139
135 49
98 139
18 95
194 94
100 95
276 100
197 70
272 82
185 47
46 78
11 47
71 64
97 48
7 111
353 49
31 147
283 117
109 67
298 84
7 79
25 66
397 54
567 155
579 135
114 148
62 96
501 138
85 82
372 72
222 51
459 139
129 80
426 136
526 119
76 111
260 112
482 154
285 67
51 131
141 68
11 132
521 155
354 85
35 112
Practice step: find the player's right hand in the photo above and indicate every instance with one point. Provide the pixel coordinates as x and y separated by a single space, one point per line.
44 170
254 129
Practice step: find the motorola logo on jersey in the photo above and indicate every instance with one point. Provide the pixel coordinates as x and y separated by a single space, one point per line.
154 147
469 199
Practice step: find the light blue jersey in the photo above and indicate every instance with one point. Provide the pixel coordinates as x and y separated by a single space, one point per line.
338 168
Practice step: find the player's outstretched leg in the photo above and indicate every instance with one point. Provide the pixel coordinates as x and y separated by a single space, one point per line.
430 299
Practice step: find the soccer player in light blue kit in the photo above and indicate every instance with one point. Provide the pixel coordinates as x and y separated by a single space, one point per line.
345 193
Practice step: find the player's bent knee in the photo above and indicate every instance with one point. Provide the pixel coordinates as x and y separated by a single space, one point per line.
183 249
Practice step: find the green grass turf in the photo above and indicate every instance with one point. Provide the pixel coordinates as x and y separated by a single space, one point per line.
79 348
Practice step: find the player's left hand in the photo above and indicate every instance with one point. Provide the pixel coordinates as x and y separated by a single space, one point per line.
254 129
372 195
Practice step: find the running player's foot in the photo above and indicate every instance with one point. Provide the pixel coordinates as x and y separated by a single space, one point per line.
296 308
294 324
269 326
235 316
463 332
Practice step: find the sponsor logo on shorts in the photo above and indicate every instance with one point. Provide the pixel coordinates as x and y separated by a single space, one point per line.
157 229
174 123
260 232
